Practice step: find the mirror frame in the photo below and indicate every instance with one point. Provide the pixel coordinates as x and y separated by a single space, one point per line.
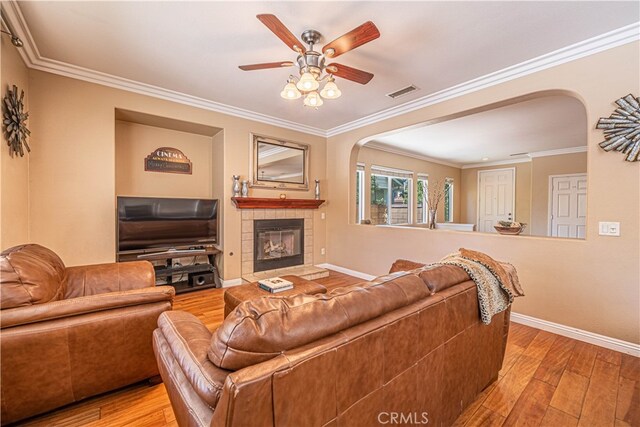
253 166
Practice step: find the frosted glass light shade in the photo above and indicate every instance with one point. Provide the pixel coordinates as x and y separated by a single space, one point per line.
313 100
330 90
290 91
307 82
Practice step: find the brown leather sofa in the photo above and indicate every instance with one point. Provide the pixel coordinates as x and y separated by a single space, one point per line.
71 333
406 347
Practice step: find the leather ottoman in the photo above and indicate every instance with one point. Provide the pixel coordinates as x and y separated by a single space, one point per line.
237 294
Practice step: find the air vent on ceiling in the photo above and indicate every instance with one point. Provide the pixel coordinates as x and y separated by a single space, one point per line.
519 154
402 92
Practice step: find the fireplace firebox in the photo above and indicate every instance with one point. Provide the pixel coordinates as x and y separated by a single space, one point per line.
278 243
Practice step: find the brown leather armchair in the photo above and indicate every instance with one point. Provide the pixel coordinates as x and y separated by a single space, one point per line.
70 333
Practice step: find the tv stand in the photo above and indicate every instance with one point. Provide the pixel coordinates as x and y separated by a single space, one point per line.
167 271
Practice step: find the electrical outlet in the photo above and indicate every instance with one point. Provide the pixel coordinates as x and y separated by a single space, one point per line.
609 228
322 216
322 251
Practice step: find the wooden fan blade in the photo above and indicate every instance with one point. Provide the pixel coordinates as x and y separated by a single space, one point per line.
350 73
266 65
282 32
354 38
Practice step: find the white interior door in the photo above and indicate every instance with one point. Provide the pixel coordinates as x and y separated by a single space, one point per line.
568 206
495 198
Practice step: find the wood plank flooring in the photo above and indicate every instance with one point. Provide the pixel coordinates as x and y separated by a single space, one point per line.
546 380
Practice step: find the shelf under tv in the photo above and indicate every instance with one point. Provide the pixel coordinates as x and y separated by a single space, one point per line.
167 271
164 271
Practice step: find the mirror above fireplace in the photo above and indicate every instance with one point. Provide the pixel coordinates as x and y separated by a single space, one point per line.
279 164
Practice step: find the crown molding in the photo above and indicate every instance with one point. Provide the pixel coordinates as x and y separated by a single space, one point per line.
530 156
559 151
33 59
615 38
380 147
87 75
496 163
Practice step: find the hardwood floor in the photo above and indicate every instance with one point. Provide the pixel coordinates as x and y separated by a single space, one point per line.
546 380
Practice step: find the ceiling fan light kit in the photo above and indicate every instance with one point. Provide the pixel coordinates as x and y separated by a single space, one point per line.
311 64
313 99
330 90
290 91
307 82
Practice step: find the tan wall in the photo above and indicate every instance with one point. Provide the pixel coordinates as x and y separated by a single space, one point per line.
469 198
370 157
134 142
14 178
591 284
542 167
73 180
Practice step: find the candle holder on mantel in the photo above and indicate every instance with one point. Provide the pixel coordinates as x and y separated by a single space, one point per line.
236 185
317 191
245 188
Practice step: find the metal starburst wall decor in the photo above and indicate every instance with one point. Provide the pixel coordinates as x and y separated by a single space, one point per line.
622 128
15 128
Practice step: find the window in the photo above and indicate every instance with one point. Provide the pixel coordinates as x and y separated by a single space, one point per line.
359 194
448 200
400 212
423 186
390 196
379 199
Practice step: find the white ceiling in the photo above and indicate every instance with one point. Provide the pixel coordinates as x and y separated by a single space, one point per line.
195 47
543 124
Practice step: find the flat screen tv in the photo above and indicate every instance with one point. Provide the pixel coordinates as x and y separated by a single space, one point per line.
164 223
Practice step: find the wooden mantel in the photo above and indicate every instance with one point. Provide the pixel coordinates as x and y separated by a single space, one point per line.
273 203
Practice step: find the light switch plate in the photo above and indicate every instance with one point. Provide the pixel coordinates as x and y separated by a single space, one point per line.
609 228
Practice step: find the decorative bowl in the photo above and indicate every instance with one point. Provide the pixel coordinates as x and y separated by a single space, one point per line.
509 230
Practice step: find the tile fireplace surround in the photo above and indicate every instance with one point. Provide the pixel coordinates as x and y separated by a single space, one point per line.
307 270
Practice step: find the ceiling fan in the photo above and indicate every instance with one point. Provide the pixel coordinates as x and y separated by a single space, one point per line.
311 64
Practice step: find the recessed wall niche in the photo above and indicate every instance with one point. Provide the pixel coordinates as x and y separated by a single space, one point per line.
139 134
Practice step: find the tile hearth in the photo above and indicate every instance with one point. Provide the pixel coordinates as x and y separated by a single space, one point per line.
307 270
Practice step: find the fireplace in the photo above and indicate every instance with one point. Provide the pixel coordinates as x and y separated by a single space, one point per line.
278 243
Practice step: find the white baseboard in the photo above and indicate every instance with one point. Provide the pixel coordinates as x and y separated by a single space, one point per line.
556 328
231 282
578 334
343 270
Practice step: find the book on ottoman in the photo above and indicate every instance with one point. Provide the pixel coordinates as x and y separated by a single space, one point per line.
275 284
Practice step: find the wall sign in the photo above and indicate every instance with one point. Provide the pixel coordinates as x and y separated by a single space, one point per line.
167 160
